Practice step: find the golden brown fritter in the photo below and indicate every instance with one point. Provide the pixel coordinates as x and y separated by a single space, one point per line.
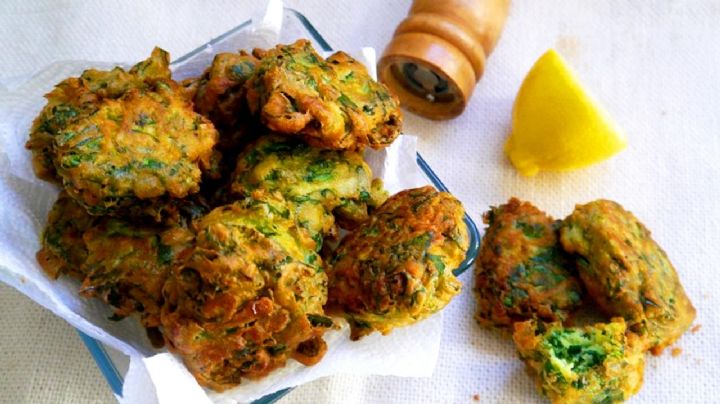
396 268
219 92
120 138
63 250
76 98
331 104
127 265
135 149
123 263
219 95
521 272
594 364
627 273
316 182
248 295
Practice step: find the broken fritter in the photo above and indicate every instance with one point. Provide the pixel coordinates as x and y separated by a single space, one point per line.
331 104
76 98
316 182
522 272
594 364
63 250
627 273
248 295
396 268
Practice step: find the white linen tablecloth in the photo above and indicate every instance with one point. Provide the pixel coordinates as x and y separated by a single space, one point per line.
655 65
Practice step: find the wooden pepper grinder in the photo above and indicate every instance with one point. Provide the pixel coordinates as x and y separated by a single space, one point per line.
438 53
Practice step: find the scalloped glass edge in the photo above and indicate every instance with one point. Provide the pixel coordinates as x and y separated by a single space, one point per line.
97 350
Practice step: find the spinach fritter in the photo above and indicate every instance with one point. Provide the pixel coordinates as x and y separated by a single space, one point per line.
597 364
316 182
331 104
248 295
396 268
627 273
219 93
119 139
522 272
127 265
140 147
63 250
123 263
76 98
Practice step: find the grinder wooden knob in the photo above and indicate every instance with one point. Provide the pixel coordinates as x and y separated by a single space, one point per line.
438 53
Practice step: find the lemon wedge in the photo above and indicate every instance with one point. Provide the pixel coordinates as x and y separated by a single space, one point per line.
556 124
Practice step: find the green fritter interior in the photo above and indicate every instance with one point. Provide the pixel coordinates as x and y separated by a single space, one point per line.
593 364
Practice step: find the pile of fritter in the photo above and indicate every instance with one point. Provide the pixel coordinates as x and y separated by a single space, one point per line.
209 208
532 273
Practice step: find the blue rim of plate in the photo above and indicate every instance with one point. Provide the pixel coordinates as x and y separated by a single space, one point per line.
98 352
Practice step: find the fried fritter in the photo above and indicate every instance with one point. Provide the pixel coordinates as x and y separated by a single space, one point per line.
63 250
135 149
127 265
522 272
76 98
593 364
248 295
627 273
123 263
316 182
219 93
396 268
120 138
331 104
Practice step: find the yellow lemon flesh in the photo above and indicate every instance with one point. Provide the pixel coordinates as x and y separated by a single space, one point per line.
556 125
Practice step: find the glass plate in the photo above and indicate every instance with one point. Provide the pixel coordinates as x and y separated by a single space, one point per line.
113 364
